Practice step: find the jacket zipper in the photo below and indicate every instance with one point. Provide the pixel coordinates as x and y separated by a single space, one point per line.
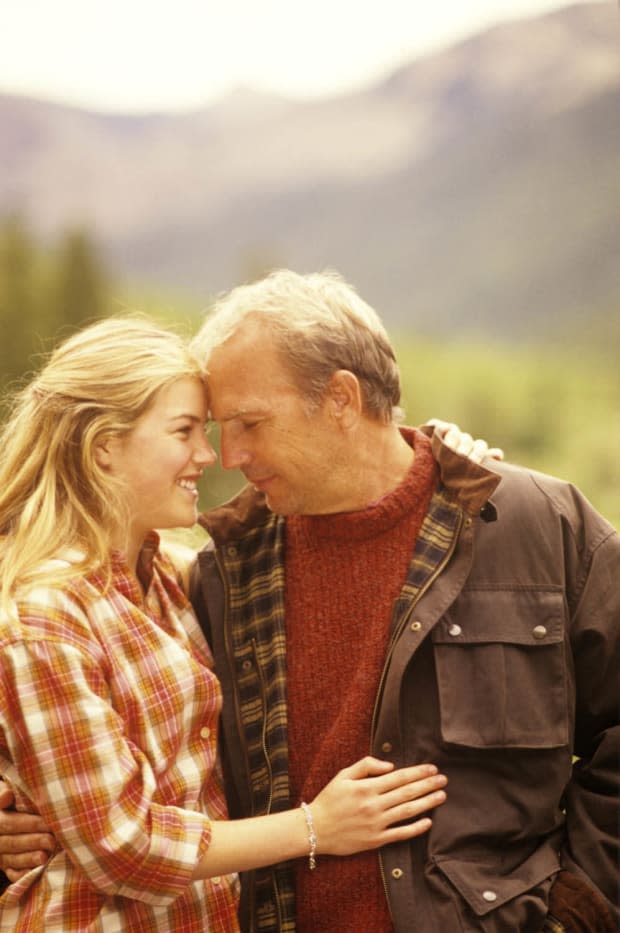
263 744
424 589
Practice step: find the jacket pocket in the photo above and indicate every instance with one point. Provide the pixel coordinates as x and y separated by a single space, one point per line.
501 669
512 900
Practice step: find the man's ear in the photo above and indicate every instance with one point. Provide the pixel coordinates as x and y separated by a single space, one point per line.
345 397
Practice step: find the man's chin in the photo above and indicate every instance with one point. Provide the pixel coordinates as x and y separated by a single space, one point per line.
278 504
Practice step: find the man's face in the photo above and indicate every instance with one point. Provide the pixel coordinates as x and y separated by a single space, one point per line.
266 431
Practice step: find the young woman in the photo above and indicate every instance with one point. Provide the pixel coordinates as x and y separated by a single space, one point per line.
109 706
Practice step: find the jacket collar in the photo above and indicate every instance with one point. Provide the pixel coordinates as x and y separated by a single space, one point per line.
229 521
469 484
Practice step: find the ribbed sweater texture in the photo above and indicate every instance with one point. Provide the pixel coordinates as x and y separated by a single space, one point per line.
343 574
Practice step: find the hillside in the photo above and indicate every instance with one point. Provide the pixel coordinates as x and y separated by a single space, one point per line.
474 190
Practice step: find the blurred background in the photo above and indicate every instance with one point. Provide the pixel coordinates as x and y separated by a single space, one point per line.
459 165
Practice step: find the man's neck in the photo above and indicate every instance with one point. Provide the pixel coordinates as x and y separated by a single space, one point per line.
395 461
382 460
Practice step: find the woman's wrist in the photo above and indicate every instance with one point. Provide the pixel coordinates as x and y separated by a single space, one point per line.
312 838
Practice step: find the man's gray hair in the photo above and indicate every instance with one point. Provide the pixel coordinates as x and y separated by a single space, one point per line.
320 325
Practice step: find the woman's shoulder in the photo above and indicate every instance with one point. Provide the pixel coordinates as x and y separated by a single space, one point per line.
49 608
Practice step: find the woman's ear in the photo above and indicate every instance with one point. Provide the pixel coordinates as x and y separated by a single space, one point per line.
102 451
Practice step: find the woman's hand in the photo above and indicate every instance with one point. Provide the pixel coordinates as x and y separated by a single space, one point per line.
463 443
360 807
355 811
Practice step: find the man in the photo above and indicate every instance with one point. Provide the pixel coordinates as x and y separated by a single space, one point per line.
373 591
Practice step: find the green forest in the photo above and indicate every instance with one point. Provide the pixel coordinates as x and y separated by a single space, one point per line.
553 407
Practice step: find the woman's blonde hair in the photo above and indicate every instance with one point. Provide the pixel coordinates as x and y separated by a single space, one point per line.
53 493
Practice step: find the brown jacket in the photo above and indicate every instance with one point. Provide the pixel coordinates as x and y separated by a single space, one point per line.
503 666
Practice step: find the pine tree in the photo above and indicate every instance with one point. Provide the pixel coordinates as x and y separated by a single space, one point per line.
18 302
81 290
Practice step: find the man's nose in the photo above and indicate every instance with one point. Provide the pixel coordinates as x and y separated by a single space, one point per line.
233 454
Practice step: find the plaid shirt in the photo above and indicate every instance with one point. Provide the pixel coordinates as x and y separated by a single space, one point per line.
109 714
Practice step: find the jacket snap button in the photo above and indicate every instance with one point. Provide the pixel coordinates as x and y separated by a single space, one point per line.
246 666
455 630
539 631
489 896
231 551
416 626
397 873
386 747
205 732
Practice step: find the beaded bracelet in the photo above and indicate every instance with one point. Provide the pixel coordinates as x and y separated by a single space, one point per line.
311 836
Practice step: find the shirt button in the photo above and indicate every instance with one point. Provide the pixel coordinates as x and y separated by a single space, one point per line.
397 873
539 631
416 626
489 896
455 630
205 732
216 880
386 747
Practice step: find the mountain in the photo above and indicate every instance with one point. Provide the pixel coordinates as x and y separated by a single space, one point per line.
475 190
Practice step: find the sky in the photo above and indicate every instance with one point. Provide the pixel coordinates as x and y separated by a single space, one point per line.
131 56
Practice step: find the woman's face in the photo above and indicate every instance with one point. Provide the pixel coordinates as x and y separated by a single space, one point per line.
162 457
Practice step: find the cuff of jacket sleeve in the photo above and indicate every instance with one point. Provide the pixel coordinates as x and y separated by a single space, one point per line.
578 906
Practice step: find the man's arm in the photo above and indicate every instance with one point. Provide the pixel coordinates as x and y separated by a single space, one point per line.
25 841
593 795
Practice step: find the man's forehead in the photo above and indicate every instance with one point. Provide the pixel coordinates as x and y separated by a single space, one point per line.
237 393
245 395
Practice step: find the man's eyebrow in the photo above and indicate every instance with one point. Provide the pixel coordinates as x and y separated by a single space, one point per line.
239 413
189 416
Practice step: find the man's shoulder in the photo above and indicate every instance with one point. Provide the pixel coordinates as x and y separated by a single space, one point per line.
517 479
235 519
246 540
537 495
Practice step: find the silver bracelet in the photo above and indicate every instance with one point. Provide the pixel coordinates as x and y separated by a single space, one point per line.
311 836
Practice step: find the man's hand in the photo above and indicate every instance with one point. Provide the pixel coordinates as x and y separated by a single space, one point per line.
24 839
463 443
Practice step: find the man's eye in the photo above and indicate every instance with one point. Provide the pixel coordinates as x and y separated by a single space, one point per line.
186 430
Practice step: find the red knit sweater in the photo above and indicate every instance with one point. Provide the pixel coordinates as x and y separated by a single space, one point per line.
343 574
